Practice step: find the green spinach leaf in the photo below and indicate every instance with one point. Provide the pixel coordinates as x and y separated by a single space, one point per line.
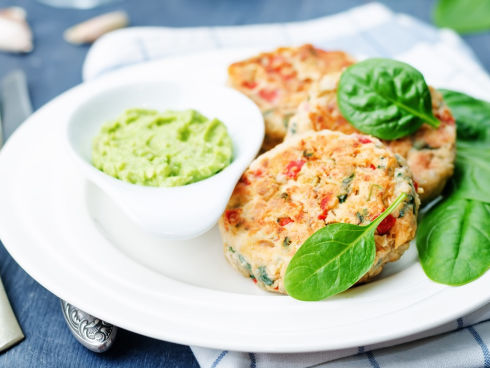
385 98
453 241
464 16
333 259
472 115
472 169
471 178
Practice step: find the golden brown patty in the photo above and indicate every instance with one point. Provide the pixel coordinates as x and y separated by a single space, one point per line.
278 81
305 183
429 152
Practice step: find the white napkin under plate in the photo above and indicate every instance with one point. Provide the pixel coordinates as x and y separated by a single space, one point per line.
369 30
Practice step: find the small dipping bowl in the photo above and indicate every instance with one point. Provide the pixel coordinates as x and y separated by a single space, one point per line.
181 212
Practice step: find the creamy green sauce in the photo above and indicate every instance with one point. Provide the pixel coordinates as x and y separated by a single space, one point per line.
162 149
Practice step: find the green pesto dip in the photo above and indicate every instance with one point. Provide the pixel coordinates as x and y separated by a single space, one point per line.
162 149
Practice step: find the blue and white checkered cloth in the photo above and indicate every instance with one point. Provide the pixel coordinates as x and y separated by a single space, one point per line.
370 30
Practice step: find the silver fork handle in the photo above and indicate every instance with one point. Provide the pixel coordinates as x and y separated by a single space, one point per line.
91 332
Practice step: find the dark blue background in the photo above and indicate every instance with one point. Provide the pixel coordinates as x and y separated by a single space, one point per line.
55 66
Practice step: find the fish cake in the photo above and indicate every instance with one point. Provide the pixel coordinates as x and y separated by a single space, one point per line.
310 181
278 81
429 152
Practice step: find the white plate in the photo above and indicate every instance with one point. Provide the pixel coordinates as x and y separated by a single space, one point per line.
73 240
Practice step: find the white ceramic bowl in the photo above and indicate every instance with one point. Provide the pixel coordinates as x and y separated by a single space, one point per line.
178 212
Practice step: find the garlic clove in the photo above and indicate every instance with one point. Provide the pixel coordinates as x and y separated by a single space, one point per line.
15 33
90 30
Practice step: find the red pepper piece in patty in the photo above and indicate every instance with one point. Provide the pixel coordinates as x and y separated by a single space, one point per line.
233 216
325 200
249 84
244 180
323 206
386 225
268 95
258 172
283 221
364 139
323 215
293 168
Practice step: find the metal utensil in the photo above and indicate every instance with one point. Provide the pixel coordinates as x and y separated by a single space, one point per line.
90 331
1 125
10 331
16 104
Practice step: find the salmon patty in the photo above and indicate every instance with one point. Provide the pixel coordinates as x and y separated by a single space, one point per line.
304 184
278 81
429 152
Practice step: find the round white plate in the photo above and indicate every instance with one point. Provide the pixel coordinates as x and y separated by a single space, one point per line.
73 240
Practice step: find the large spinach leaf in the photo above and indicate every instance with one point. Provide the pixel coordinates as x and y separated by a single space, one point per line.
463 16
385 98
471 178
472 115
472 170
333 259
453 238
453 241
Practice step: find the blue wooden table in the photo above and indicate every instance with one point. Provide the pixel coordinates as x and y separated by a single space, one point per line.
55 66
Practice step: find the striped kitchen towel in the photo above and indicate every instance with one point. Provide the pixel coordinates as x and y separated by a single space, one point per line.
370 30
462 343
